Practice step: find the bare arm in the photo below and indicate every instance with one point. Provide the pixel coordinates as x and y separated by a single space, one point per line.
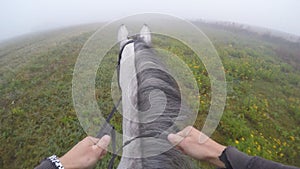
197 145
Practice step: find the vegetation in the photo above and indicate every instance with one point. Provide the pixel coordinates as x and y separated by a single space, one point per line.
38 119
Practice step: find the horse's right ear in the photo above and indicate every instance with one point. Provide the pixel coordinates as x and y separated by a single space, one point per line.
146 34
122 35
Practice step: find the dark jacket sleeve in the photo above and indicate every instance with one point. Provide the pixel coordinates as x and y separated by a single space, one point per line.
46 164
239 160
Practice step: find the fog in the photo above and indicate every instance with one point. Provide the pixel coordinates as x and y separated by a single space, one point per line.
20 17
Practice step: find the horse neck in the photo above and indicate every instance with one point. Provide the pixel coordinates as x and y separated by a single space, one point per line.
145 117
130 125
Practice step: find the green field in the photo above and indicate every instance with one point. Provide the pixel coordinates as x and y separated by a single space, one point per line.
261 117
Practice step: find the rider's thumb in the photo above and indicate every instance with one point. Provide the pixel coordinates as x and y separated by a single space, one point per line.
104 142
175 139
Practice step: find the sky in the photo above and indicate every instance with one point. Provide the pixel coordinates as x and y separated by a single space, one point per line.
20 17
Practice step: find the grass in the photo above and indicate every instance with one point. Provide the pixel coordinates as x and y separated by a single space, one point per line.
38 119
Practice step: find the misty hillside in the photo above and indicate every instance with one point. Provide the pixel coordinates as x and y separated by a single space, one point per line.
261 117
258 31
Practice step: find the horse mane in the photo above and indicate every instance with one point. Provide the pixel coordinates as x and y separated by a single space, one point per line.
152 80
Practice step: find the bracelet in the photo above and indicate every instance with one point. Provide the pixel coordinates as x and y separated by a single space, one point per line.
54 160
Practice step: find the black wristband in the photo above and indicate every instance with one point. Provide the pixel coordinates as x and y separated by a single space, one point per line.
225 160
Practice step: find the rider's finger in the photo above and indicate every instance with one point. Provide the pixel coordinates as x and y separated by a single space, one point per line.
185 132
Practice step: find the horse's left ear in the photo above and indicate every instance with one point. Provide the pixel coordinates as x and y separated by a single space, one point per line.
145 34
122 35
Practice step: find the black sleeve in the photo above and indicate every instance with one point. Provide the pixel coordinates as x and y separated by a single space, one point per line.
234 159
46 164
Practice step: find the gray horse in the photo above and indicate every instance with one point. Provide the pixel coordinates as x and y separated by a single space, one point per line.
151 102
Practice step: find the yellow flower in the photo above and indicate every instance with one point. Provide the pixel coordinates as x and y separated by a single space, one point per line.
292 138
281 154
243 139
251 135
274 146
236 142
258 148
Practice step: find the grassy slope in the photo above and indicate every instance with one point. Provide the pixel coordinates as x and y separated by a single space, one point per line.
38 119
262 112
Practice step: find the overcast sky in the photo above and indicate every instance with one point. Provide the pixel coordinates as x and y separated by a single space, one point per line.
25 16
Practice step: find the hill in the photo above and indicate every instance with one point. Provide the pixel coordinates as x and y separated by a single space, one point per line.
261 116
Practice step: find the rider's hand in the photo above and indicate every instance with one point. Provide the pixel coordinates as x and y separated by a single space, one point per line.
197 145
86 153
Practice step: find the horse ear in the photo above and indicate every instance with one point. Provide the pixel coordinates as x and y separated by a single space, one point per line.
122 35
146 34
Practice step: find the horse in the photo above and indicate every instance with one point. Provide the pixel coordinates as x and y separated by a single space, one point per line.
151 102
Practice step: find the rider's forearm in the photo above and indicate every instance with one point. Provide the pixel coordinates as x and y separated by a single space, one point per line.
215 151
234 159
